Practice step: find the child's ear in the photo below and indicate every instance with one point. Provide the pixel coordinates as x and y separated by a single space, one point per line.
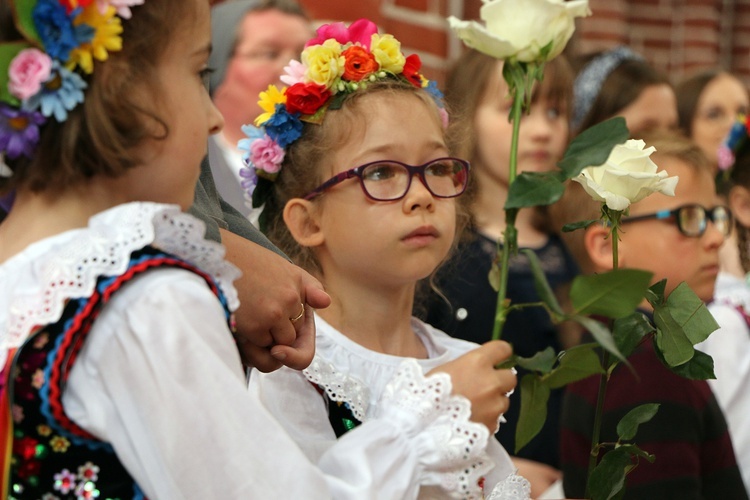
739 204
598 244
300 217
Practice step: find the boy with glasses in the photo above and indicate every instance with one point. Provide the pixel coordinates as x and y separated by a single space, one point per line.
676 238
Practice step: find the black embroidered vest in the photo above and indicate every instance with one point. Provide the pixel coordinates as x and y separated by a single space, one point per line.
51 457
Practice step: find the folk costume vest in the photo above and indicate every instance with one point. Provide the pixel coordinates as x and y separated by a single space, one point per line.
45 454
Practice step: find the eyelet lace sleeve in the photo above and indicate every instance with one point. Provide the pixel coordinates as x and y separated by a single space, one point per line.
514 487
454 454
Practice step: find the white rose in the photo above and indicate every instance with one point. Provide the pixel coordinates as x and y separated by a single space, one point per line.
521 28
628 176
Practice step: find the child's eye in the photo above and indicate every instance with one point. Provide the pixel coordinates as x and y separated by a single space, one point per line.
205 74
381 171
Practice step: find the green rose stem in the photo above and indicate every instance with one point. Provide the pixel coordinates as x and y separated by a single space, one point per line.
613 219
510 234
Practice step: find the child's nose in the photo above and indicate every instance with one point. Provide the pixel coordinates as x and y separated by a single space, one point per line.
418 196
713 236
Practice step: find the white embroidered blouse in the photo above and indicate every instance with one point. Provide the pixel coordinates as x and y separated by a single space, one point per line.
359 377
160 377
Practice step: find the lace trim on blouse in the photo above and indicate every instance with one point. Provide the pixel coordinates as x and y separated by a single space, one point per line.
71 269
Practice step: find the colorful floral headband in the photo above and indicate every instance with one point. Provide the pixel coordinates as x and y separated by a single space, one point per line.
42 77
734 141
339 61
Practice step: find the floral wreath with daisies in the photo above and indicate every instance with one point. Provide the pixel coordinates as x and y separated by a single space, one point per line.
43 76
339 61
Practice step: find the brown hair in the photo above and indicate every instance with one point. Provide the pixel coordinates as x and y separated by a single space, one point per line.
468 82
576 205
688 94
739 175
303 167
620 89
101 135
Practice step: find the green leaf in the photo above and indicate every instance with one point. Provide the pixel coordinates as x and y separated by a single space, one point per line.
691 313
593 146
8 52
542 361
601 334
576 363
671 340
573 226
533 413
613 294
608 477
629 331
655 294
531 189
627 428
700 367
25 20
541 285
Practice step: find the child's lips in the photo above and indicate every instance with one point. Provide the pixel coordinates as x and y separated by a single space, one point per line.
421 236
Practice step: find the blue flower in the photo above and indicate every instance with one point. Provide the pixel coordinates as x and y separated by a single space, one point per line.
19 131
434 91
60 94
252 134
56 29
283 127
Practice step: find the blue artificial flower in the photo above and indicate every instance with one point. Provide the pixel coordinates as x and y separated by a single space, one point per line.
56 30
60 94
434 91
19 131
252 133
282 127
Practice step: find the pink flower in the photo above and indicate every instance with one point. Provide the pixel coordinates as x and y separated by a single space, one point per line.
725 157
27 72
359 31
266 155
122 6
294 73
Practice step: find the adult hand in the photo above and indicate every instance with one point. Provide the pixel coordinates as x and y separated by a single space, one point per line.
272 292
474 376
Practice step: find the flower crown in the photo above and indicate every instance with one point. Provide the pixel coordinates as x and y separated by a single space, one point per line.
736 138
339 61
42 76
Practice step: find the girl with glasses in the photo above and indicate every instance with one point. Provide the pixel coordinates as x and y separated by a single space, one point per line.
362 193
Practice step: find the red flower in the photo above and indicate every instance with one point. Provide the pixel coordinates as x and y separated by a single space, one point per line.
72 4
411 70
25 447
306 98
360 63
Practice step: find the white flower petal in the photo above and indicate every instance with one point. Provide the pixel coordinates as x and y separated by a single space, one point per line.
477 37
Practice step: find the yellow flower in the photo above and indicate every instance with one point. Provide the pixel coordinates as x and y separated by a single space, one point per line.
107 29
59 444
387 51
268 101
324 63
44 430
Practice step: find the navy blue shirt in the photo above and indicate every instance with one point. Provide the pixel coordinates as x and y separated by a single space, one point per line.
470 316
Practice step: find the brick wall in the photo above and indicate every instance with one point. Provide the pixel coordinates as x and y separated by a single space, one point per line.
677 36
